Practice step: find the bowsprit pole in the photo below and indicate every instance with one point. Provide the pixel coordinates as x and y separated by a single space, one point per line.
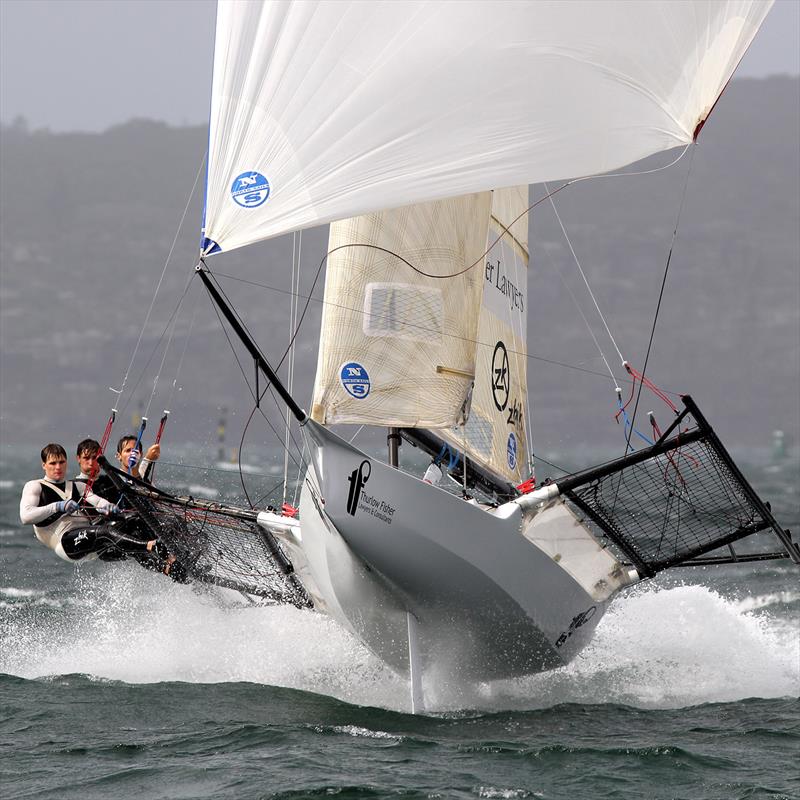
251 346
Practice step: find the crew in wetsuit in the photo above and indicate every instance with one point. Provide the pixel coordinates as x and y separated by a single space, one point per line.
128 457
51 505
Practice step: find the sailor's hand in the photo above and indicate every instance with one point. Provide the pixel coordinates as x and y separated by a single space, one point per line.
133 459
153 452
66 506
111 511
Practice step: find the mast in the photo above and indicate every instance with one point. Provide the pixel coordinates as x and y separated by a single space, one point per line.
393 442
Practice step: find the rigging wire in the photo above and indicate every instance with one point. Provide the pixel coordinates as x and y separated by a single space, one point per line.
295 294
589 289
257 397
119 391
256 407
661 292
422 328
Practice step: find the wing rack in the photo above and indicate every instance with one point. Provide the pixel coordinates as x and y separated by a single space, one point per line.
215 543
676 502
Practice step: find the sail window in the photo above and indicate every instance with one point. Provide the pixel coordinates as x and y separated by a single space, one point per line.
404 311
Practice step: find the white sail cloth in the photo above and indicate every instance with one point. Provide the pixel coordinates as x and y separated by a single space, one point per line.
398 346
496 432
325 110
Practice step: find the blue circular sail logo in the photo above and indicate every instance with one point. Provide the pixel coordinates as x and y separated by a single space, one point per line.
511 451
250 189
355 380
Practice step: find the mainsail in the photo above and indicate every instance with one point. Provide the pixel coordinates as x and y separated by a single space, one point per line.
402 296
324 111
495 432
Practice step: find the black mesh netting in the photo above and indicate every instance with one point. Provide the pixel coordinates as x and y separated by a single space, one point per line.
215 543
683 500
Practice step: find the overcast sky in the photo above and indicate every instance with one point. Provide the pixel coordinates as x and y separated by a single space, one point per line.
88 64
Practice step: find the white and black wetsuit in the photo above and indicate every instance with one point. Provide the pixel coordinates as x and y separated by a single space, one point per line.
69 535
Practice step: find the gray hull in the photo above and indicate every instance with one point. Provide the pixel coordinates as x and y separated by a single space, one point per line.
493 594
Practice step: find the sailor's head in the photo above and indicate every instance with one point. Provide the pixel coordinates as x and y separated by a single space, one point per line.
54 462
87 453
125 446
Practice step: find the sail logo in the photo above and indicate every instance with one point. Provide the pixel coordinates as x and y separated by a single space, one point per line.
357 480
501 376
511 451
250 189
355 380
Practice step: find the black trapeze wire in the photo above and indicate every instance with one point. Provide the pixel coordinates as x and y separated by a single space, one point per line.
660 298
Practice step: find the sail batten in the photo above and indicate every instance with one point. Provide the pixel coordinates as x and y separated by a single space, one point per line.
323 111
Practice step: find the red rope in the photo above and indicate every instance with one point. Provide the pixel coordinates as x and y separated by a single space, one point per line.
651 386
527 486
103 444
288 510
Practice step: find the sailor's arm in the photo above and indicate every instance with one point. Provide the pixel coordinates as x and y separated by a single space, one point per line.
100 503
30 512
146 464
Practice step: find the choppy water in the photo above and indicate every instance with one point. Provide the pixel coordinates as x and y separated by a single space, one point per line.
117 683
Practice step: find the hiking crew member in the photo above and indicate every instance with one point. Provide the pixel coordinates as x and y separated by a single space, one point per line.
51 505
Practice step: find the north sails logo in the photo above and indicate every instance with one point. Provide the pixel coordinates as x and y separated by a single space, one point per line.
357 480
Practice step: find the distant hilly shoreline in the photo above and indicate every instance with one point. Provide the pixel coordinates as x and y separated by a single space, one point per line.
87 221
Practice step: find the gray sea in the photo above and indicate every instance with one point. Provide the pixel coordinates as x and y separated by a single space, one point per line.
117 683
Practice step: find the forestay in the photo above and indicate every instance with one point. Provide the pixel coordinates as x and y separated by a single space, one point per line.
323 111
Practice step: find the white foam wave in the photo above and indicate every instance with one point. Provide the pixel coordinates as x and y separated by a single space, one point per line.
671 648
139 628
766 600
355 730
12 591
655 648
7 533
4 484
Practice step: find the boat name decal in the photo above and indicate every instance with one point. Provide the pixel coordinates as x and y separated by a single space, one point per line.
376 507
355 380
250 189
359 500
357 480
577 621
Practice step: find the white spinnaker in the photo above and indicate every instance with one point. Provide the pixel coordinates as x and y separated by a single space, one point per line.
325 110
396 347
495 433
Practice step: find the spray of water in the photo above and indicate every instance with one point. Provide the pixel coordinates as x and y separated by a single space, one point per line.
655 648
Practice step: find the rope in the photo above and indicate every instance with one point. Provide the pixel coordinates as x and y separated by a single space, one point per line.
421 328
588 287
119 391
661 291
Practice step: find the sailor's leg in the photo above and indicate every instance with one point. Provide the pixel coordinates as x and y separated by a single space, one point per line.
104 540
